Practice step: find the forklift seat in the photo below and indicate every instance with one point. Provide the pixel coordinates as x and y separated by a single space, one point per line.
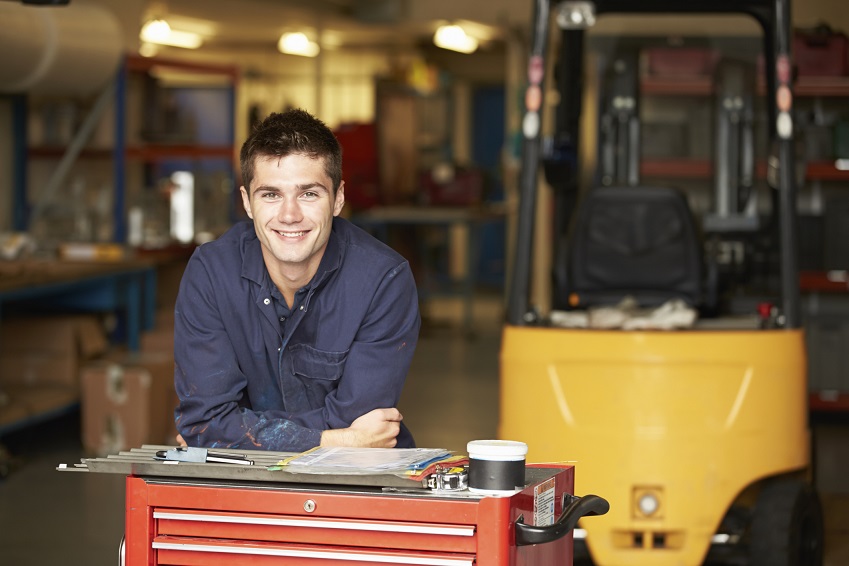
636 241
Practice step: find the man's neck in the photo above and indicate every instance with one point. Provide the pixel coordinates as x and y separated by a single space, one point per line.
289 283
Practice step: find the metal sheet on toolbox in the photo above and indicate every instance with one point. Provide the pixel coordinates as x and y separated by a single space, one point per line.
140 462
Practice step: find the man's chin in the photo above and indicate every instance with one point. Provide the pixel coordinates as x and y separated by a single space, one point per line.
285 254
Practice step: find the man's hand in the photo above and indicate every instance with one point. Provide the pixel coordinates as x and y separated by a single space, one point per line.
376 429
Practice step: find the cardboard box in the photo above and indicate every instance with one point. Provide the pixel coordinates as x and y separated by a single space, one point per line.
128 401
11 411
158 340
821 53
161 337
49 350
31 368
19 403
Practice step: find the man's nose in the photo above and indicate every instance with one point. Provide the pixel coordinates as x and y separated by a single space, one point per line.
290 210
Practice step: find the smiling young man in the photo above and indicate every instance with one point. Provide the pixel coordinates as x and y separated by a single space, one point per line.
296 329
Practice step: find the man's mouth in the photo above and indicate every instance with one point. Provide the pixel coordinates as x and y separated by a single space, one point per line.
291 234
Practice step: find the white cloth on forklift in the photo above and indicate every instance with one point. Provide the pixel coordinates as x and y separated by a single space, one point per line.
628 316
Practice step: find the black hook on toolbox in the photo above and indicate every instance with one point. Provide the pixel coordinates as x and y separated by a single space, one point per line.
578 507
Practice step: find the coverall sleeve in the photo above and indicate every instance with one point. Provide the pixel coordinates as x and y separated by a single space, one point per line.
210 384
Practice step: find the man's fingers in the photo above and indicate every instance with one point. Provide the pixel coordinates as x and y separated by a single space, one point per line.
392 415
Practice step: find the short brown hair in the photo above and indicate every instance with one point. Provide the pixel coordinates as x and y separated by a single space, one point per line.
285 133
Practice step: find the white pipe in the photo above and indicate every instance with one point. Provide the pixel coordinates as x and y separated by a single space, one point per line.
65 50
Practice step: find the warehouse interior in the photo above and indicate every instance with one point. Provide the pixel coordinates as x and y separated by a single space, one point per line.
119 157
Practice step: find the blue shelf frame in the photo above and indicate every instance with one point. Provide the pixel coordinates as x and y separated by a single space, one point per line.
20 210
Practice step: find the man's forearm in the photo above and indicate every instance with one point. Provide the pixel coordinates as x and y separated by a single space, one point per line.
339 437
250 430
376 429
355 438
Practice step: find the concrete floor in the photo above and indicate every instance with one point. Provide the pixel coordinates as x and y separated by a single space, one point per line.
50 517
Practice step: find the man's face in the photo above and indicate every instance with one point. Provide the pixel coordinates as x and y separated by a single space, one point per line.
292 205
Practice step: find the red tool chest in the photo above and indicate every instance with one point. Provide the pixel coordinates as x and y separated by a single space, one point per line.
213 522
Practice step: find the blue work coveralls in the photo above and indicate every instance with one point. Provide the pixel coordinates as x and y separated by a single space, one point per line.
246 379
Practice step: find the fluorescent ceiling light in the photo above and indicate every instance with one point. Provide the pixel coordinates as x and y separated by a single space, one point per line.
185 39
454 37
160 33
297 44
155 31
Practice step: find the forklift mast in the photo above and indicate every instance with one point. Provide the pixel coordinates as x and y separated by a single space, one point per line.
620 122
734 150
774 19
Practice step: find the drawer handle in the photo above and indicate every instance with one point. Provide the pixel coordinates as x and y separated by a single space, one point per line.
444 530
578 507
317 554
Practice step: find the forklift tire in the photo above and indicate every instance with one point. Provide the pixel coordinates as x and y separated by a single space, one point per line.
787 526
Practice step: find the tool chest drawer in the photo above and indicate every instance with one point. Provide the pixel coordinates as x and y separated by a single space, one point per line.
173 523
223 552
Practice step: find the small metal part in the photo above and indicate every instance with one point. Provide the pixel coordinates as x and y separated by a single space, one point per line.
451 479
183 454
309 505
200 456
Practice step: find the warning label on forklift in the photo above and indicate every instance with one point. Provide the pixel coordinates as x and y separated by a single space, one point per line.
544 503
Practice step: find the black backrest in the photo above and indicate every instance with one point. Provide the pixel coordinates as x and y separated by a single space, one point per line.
639 241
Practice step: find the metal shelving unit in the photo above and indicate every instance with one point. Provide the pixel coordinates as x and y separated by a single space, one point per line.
123 151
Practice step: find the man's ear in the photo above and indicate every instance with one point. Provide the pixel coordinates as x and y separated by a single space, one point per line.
340 199
246 201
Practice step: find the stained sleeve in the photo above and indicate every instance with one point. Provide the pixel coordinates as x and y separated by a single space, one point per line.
210 385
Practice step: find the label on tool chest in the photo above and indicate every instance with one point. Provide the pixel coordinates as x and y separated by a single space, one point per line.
544 503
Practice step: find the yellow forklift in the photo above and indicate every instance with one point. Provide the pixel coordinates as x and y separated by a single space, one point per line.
697 435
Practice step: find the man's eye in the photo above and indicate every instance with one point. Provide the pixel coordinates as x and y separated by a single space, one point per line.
269 195
310 194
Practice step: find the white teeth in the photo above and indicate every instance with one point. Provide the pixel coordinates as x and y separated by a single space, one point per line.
291 234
